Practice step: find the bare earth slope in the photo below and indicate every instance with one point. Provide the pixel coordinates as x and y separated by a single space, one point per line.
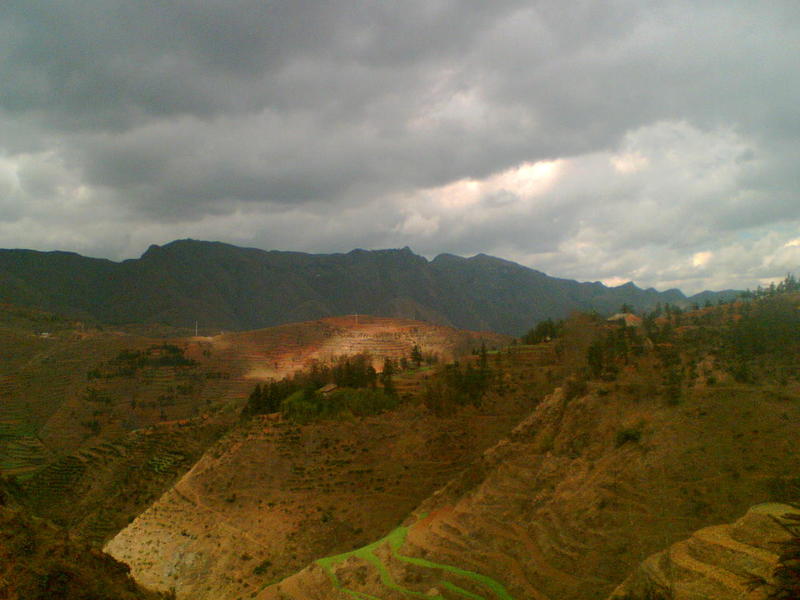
274 496
569 504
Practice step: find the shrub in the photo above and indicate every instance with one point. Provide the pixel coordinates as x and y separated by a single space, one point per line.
262 567
630 434
307 405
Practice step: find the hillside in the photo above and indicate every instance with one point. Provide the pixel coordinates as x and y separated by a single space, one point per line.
231 288
669 437
542 471
274 495
39 561
97 424
725 562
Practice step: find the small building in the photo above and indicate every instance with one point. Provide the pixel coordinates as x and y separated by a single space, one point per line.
327 388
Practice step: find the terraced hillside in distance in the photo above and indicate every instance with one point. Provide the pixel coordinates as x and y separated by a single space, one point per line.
275 352
274 495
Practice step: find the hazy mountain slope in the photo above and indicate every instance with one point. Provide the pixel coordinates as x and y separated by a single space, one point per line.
227 287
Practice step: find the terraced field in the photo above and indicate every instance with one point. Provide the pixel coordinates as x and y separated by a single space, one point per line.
98 490
724 562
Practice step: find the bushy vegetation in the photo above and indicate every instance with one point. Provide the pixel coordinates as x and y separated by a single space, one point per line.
458 384
786 576
629 434
307 405
128 362
40 562
543 331
613 348
164 355
300 397
752 341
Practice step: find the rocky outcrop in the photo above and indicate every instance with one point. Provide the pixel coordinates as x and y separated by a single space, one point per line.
722 562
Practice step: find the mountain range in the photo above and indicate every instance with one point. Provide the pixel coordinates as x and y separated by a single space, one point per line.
222 286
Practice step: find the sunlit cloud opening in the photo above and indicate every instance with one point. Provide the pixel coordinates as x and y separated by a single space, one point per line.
700 259
615 281
528 180
629 163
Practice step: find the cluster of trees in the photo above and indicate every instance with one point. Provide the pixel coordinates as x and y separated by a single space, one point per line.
299 396
458 385
307 405
787 286
163 355
611 349
543 331
765 340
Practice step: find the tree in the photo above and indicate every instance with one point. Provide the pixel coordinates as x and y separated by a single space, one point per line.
386 377
416 355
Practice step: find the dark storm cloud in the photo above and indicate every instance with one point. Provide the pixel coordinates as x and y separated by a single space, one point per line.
249 120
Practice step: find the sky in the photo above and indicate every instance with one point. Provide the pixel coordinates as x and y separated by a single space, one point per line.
656 142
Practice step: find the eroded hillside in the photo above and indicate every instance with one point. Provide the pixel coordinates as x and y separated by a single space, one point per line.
735 560
274 495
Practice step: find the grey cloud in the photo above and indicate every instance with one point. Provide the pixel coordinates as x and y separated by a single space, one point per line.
178 118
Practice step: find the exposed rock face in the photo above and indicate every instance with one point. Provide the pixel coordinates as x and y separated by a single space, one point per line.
722 562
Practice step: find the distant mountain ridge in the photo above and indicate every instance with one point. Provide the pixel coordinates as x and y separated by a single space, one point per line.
228 287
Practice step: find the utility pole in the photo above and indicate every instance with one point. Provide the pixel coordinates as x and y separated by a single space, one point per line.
195 329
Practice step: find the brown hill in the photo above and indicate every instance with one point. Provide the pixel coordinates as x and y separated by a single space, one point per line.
41 562
98 424
65 387
275 352
682 430
273 496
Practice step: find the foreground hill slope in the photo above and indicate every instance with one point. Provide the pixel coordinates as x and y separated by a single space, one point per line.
561 510
39 561
274 495
724 562
227 287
